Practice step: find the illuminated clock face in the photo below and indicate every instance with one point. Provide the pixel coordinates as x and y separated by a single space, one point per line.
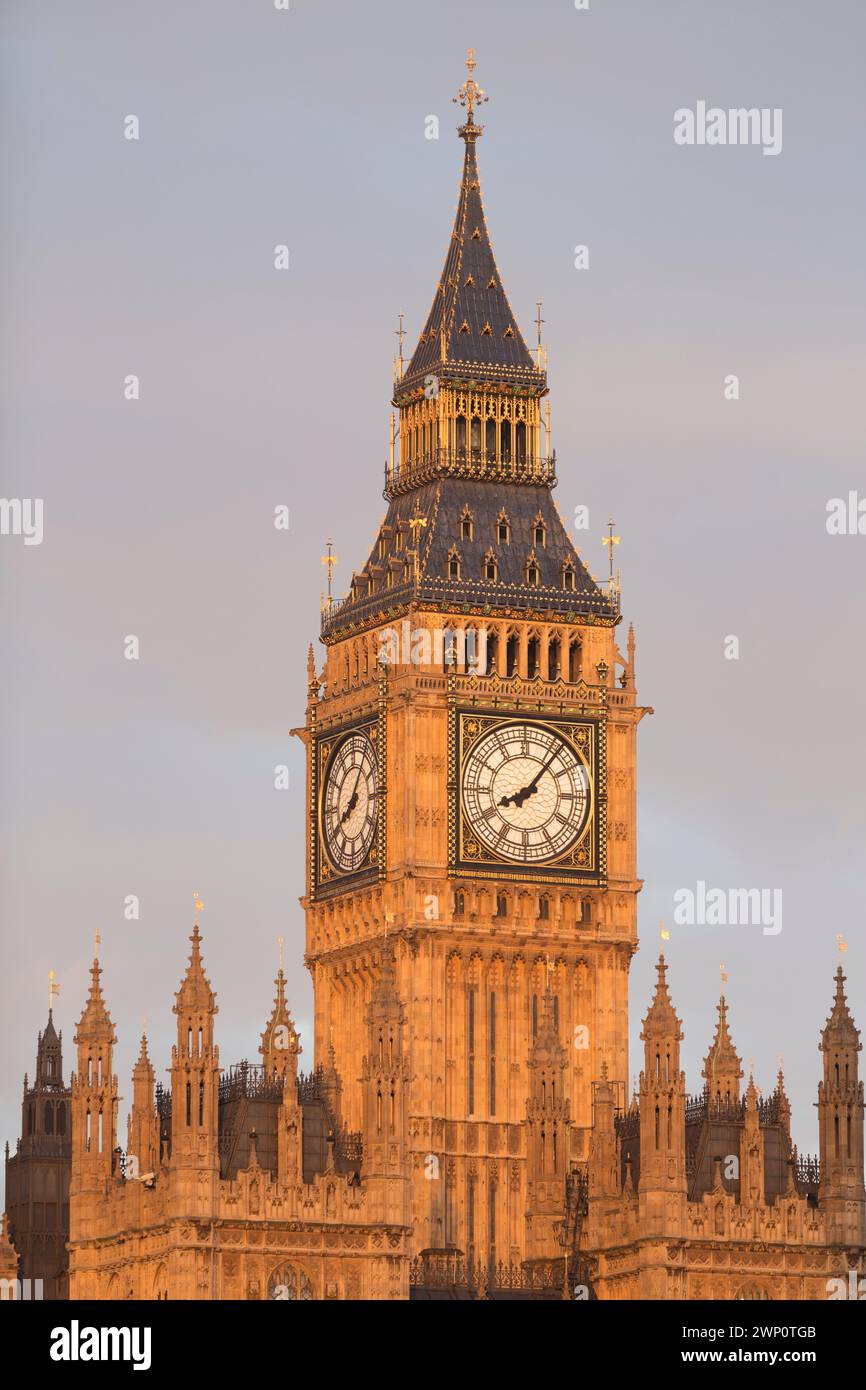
349 807
526 793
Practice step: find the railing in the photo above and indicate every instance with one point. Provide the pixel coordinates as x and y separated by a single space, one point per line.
451 1269
311 1085
489 465
249 1081
464 594
807 1170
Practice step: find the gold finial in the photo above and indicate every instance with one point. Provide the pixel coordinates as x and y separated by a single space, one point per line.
416 523
841 943
470 94
538 322
610 540
724 974
664 934
400 334
52 990
280 948
329 561
199 906
97 939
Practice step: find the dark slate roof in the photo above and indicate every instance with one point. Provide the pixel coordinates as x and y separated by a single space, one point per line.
481 332
443 503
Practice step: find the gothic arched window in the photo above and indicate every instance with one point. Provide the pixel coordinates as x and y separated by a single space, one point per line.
290 1285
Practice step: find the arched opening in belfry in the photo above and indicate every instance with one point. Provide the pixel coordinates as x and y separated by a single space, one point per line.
554 659
512 655
574 660
490 440
520 441
460 434
476 434
505 441
533 658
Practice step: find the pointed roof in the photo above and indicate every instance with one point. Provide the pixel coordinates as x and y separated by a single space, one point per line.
470 331
287 1039
661 1020
840 1030
751 1112
722 1059
95 1022
143 1069
48 1050
195 993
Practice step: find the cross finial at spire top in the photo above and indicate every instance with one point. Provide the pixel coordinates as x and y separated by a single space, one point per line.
470 96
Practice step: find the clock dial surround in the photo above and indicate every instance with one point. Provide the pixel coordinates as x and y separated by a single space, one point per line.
526 792
528 795
349 810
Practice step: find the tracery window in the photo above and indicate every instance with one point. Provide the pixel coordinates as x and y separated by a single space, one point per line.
290 1285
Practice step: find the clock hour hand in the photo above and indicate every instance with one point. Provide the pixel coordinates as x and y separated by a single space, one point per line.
517 798
352 802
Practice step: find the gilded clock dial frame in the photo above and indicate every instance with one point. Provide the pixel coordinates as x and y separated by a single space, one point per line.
349 802
550 770
526 792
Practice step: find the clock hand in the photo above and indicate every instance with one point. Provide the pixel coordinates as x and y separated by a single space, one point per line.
518 798
353 800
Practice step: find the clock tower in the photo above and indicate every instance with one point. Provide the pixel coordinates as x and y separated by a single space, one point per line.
471 790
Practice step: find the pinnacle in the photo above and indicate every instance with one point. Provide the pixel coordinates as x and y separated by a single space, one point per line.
840 1029
661 1019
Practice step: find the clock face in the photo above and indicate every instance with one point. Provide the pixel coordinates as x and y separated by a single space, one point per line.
526 793
349 806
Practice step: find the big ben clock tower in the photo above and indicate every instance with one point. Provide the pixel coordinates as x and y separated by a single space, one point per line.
471 790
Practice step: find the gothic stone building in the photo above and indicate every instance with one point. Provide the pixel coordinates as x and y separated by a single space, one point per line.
37 1174
470 923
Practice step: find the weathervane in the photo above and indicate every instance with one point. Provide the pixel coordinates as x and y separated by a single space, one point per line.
52 990
329 561
199 906
470 94
610 540
538 322
400 334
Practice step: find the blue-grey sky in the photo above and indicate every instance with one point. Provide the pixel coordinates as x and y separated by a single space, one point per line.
260 387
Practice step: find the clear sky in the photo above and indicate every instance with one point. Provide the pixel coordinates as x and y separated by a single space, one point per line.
259 387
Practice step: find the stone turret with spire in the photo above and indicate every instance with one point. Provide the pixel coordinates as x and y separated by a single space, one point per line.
840 1123
94 1108
722 1067
195 1090
548 1116
662 1113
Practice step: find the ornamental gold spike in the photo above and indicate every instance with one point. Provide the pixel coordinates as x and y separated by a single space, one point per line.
470 94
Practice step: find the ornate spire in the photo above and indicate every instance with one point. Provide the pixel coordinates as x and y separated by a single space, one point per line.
661 1020
95 1021
471 331
143 1069
840 1030
722 1066
280 1041
195 993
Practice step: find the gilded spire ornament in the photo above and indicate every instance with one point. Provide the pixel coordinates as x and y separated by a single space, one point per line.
470 95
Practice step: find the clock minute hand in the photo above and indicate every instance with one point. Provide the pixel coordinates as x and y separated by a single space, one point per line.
353 800
518 798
